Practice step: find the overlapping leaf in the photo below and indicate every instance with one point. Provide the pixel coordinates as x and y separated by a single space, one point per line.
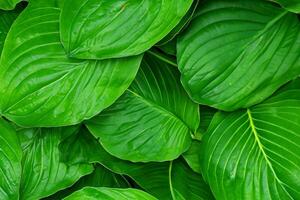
253 153
40 86
169 180
181 26
101 177
237 53
43 172
10 162
8 4
6 20
206 115
193 156
94 193
155 118
103 29
159 179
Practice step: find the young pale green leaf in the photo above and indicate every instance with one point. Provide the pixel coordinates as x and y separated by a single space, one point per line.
6 20
155 117
41 86
8 4
102 193
237 53
103 29
43 172
10 162
290 5
254 153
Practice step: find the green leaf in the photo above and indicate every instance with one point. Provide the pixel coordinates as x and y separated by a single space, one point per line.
290 5
101 177
193 155
157 181
10 162
169 48
206 115
237 53
171 60
6 20
8 4
155 117
43 172
95 29
254 153
41 86
83 147
158 185
102 193
166 180
181 26
187 185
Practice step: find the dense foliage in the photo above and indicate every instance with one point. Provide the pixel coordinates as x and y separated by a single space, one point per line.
150 99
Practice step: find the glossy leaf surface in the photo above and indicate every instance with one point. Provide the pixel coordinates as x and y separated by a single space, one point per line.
86 148
43 172
10 162
103 29
290 5
155 117
237 53
6 20
164 182
94 193
193 155
186 184
174 181
253 153
101 177
41 86
181 26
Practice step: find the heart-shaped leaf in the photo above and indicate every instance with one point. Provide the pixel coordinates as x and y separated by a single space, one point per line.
155 117
237 53
43 172
254 153
95 29
169 180
41 86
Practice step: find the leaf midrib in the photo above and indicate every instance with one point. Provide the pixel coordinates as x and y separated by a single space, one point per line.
261 148
158 107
